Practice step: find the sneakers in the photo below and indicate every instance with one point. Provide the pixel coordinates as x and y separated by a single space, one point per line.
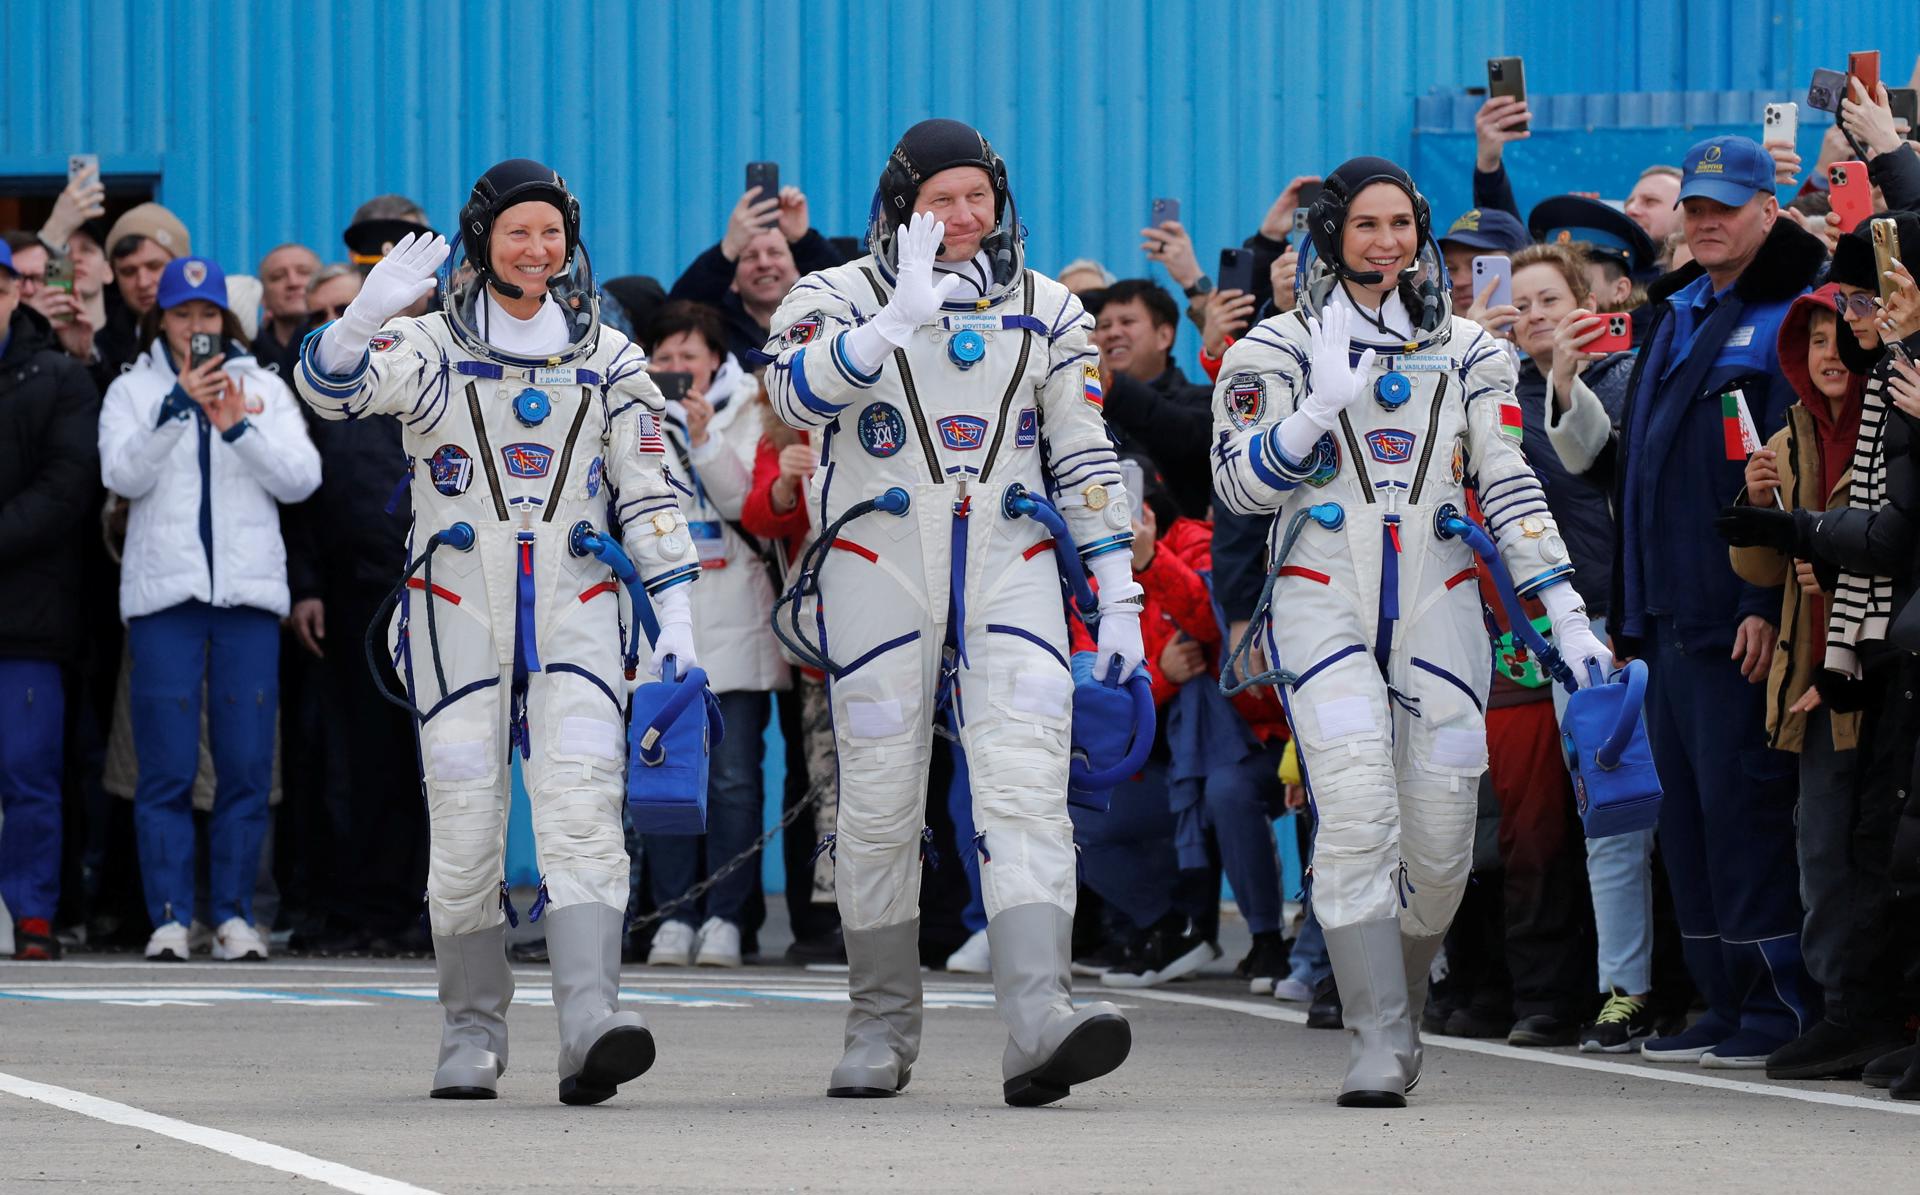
1265 964
1831 1050
972 958
1101 961
1622 1019
1325 1011
1172 950
33 940
828 948
1292 991
1689 1044
1477 1022
1543 1031
236 941
718 944
1744 1051
168 944
672 945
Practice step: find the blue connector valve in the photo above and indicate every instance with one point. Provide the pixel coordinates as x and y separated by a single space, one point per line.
1330 515
459 537
1392 390
966 348
1447 523
894 501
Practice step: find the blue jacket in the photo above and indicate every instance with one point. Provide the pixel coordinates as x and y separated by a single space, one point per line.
1673 475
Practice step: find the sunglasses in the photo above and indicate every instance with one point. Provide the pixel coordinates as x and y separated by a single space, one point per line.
1860 306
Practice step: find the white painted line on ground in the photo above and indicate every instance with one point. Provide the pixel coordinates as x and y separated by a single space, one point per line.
1686 1075
246 1149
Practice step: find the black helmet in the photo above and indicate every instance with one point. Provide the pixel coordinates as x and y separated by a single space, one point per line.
1327 218
924 151
516 180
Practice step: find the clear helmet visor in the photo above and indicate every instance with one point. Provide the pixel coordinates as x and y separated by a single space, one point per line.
461 294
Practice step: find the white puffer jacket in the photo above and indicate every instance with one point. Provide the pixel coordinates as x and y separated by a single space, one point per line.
205 520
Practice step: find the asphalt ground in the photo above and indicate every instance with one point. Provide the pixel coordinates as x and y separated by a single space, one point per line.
118 1074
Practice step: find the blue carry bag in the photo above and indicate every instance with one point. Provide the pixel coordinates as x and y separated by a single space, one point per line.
1602 734
674 724
1111 721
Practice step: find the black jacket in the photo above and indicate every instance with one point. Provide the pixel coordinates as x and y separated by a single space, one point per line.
49 481
342 539
1170 420
710 280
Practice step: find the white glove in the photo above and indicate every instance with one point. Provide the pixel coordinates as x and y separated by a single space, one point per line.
676 631
1119 634
397 282
1334 385
916 296
1573 634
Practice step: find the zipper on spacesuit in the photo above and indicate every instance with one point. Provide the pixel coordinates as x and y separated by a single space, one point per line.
566 456
928 855
1403 884
539 902
829 846
1426 451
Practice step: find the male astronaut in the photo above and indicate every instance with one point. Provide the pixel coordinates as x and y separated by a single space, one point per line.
1375 407
522 418
940 365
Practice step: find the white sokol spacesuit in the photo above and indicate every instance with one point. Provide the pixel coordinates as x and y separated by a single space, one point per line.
951 609
509 640
1376 615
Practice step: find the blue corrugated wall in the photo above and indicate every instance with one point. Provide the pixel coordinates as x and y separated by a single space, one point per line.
268 120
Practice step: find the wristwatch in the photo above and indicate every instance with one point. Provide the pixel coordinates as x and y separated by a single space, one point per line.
1202 285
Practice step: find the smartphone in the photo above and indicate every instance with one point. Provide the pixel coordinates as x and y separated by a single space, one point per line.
1905 102
1163 211
1508 77
1850 192
80 166
1236 270
765 178
202 347
1780 123
1498 270
1886 251
673 383
1864 65
1826 90
60 273
1303 214
1135 479
1616 335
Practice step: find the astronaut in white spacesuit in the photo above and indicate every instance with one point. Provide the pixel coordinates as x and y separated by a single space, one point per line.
939 367
1369 410
523 419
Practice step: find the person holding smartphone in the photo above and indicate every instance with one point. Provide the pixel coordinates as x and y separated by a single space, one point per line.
206 443
933 364
1373 405
525 419
769 243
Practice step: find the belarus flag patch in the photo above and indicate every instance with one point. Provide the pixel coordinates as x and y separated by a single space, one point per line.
1090 375
1511 424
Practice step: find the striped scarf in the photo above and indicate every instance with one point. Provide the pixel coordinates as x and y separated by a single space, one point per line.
1862 606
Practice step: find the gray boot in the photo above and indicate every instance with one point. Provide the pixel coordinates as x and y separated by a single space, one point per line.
476 985
1050 1046
883 1026
1372 975
1417 955
600 1046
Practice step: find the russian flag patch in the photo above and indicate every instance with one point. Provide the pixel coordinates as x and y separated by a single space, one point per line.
1090 375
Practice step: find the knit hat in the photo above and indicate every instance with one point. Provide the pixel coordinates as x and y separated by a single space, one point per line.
155 223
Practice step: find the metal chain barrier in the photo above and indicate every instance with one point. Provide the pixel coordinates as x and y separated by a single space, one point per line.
728 868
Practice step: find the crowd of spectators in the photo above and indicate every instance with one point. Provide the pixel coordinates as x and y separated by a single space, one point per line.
194 756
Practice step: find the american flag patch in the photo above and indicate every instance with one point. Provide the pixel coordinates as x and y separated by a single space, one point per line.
650 440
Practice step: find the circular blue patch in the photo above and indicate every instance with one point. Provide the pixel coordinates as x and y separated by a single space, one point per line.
1326 461
882 431
450 469
594 470
1392 390
966 348
531 407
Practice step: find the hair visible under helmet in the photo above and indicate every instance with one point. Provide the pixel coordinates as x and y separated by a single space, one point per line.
924 151
1423 285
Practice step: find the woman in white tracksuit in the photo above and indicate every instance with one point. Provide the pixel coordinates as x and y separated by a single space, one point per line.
710 446
205 453
1371 409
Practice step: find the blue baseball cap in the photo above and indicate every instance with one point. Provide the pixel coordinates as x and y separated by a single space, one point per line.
1729 170
1487 228
6 260
188 278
